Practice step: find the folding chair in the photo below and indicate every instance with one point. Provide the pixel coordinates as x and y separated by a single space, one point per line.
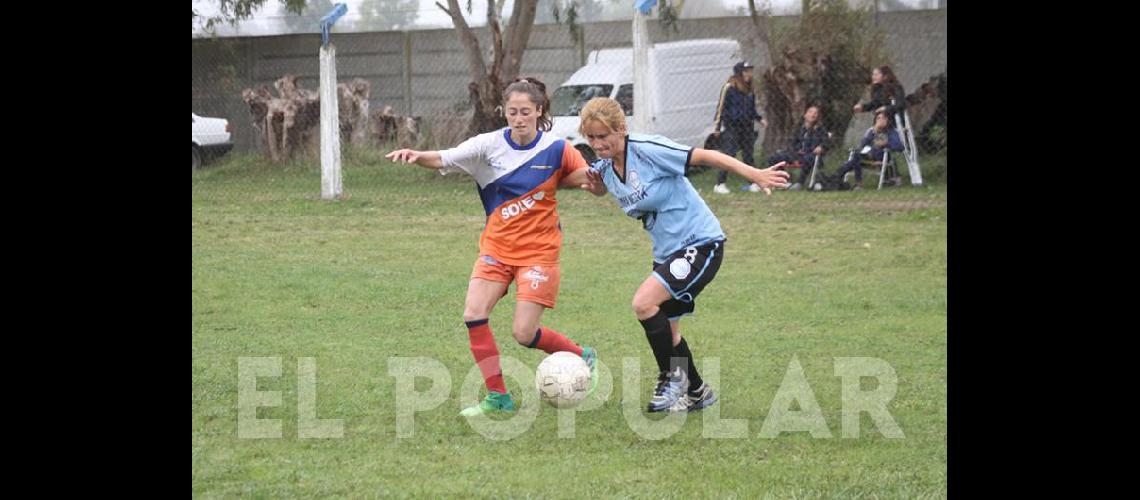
872 164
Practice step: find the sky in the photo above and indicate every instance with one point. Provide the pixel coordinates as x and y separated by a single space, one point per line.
271 18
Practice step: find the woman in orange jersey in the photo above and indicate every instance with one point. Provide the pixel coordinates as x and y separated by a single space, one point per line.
517 170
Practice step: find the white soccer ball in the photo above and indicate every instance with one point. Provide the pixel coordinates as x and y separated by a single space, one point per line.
562 379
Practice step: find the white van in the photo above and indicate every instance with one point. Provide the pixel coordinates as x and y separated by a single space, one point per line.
685 79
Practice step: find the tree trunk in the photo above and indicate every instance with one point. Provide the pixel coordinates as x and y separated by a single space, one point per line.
483 86
783 85
762 28
487 84
824 61
518 36
801 79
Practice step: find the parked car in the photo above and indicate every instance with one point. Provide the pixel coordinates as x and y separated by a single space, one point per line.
210 138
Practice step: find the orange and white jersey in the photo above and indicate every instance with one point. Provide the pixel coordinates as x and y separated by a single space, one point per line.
518 186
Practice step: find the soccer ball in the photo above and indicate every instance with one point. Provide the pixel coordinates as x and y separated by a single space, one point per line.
562 379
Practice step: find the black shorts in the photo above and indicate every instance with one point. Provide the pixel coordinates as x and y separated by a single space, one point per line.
685 273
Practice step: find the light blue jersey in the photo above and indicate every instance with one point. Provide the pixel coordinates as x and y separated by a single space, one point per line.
656 191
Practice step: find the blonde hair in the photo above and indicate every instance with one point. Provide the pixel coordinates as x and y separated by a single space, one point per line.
603 110
738 82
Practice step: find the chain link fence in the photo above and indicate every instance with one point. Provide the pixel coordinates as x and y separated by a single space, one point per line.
415 89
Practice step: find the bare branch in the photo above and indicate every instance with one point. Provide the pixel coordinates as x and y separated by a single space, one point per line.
475 64
496 41
760 24
522 20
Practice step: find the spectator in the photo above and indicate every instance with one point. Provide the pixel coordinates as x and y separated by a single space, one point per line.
879 138
887 95
734 115
810 141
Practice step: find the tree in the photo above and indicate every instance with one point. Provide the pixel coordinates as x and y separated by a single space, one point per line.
569 12
489 81
309 19
232 11
825 60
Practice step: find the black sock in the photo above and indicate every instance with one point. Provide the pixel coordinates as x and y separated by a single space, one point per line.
683 351
660 338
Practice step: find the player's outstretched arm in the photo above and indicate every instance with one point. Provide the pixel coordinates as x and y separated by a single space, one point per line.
771 177
426 159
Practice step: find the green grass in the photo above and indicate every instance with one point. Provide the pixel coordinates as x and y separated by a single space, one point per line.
276 272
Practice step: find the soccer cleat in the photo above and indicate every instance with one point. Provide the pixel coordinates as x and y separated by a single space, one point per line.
671 387
702 397
794 187
590 355
495 402
755 188
720 189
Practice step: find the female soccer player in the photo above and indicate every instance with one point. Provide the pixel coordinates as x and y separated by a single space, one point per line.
646 174
517 170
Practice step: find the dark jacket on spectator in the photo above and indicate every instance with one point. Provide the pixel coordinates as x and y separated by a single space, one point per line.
807 139
736 109
881 95
894 142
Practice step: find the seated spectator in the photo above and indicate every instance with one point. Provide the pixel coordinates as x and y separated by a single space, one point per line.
810 141
878 139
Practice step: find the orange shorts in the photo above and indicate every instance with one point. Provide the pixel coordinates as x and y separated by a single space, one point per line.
538 284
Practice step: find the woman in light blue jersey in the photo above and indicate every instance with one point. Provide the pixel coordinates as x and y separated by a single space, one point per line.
646 175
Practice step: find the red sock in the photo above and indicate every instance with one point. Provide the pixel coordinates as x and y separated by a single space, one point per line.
486 354
551 342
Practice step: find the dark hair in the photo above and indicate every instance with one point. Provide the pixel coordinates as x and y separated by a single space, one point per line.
888 75
890 84
534 89
884 114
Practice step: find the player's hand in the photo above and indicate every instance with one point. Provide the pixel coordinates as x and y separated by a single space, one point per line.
404 155
771 177
764 122
594 183
858 108
818 150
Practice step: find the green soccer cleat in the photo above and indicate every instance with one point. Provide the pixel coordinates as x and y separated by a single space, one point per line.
591 356
495 402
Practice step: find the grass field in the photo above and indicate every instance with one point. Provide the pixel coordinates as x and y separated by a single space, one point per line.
808 277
